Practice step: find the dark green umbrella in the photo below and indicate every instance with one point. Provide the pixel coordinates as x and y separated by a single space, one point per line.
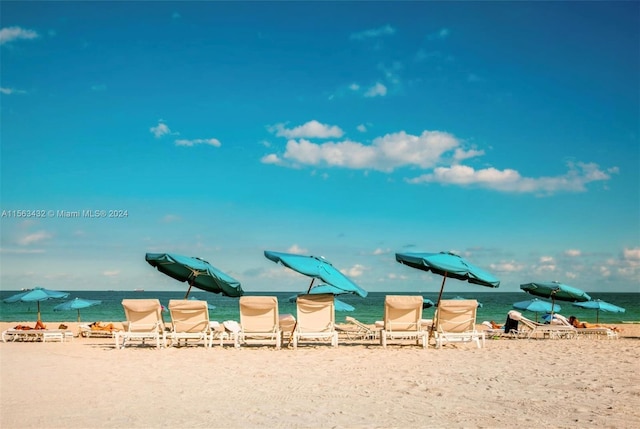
556 291
195 271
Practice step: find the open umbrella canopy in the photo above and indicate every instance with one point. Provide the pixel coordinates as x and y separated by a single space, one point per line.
599 306
76 304
316 268
195 271
535 305
448 264
36 294
555 291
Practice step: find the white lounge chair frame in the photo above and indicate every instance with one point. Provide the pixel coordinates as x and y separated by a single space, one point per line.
144 321
315 319
403 319
259 321
189 321
538 330
36 335
456 322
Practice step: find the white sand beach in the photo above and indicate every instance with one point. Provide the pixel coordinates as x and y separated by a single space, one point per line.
87 383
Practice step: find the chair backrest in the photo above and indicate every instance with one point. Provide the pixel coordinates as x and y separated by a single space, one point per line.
259 313
403 312
189 315
457 315
143 315
316 313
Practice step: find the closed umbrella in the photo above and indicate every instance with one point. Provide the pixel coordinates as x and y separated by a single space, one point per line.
37 294
76 304
196 272
599 306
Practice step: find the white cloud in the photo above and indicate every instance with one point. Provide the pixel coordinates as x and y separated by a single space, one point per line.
386 30
379 251
160 130
506 267
193 142
111 273
271 159
441 34
632 254
35 237
9 34
362 128
572 253
10 91
376 90
311 129
297 250
384 154
356 271
354 87
509 180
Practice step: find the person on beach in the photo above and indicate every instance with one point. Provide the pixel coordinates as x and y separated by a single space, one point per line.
578 324
98 326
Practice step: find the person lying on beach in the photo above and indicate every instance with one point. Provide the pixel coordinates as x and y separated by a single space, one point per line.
578 324
39 325
98 326
494 325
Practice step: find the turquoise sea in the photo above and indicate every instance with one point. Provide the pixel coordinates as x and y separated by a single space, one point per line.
495 306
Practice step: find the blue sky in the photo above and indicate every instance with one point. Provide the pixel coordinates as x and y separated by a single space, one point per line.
506 132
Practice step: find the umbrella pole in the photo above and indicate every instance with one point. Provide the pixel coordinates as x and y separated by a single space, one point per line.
435 319
188 290
311 284
38 311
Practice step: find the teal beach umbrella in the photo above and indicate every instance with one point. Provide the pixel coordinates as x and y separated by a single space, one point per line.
535 305
599 306
196 272
317 268
556 291
36 294
77 304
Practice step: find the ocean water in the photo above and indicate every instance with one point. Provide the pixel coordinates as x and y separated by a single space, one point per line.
495 306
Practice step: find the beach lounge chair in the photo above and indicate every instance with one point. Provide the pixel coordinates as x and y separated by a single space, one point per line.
189 321
259 321
90 330
144 321
456 322
596 333
362 331
315 319
403 319
540 330
40 335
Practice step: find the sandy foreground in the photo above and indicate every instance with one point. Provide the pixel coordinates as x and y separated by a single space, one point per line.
87 383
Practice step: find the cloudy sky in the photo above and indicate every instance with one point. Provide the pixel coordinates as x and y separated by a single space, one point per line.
506 132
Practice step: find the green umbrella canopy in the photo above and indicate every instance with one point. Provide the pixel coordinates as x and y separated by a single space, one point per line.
196 272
